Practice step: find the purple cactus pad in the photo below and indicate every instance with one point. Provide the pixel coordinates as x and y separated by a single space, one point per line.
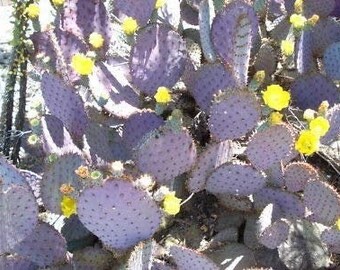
157 59
118 213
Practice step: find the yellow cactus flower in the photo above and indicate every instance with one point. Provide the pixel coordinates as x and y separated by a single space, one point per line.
162 95
81 64
298 21
32 11
58 2
307 143
129 26
96 40
68 206
275 97
337 224
287 47
309 114
171 204
275 118
319 126
159 4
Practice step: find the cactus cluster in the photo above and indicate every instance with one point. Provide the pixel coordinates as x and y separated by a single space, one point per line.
178 134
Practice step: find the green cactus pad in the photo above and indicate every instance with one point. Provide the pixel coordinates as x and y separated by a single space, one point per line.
323 201
233 115
213 156
166 154
268 147
118 213
236 179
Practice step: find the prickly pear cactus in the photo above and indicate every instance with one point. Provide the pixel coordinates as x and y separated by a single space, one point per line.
171 134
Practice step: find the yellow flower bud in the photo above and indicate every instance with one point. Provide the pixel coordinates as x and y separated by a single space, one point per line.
323 108
298 21
32 11
313 20
309 114
129 26
96 40
275 118
259 76
287 47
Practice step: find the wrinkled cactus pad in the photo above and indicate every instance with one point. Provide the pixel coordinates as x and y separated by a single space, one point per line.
235 179
165 62
9 175
118 213
233 114
166 154
233 32
14 262
274 234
